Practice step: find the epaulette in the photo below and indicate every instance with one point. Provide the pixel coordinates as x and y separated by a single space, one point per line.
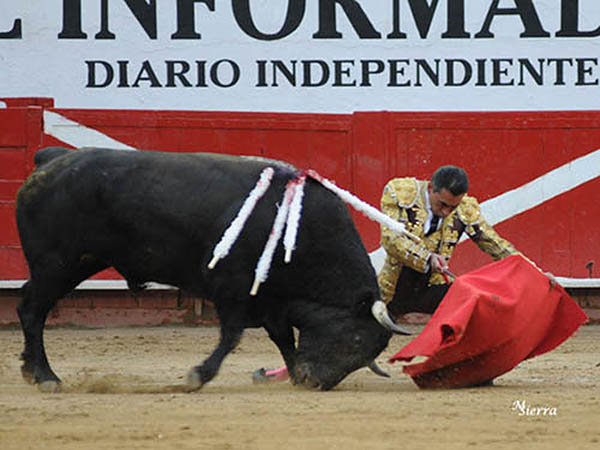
468 210
404 191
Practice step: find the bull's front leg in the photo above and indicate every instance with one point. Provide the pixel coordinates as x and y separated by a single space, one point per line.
282 334
202 374
231 332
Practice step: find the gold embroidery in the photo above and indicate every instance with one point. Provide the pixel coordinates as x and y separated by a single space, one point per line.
404 191
468 211
404 195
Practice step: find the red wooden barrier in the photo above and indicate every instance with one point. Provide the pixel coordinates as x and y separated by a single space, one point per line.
20 136
501 151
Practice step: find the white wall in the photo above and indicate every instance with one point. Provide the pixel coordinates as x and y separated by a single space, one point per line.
41 64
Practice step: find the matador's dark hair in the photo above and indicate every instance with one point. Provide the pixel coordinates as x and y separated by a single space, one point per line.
452 178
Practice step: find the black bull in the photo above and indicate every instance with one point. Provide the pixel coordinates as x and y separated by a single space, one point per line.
157 217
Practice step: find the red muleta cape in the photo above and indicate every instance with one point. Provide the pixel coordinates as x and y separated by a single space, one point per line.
490 320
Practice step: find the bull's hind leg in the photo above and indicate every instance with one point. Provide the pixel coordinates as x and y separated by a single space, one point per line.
33 311
40 294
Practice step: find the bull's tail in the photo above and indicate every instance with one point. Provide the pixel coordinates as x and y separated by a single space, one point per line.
48 154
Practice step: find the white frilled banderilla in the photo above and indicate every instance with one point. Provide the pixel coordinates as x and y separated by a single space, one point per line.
288 216
233 231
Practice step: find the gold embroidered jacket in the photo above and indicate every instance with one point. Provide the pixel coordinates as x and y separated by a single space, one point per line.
403 199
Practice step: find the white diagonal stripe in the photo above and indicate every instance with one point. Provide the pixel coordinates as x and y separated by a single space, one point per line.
77 135
542 189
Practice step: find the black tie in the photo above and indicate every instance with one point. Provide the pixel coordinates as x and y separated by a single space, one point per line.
433 225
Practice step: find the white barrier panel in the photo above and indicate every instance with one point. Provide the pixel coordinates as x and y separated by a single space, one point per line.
271 55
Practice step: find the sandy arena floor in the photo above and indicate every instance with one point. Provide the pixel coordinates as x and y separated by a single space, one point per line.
122 392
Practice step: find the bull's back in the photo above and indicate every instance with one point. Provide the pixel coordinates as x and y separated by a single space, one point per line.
104 178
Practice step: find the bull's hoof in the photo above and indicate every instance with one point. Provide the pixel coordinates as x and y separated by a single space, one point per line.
27 374
49 387
193 381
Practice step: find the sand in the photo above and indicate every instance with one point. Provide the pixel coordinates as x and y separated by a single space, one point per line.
122 390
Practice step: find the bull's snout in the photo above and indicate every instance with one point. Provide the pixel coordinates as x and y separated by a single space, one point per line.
303 376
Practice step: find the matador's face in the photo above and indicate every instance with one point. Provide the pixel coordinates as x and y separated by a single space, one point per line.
443 202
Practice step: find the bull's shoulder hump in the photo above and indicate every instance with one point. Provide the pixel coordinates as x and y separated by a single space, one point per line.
246 160
241 164
270 162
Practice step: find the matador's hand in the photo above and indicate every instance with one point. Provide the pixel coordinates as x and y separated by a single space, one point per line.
438 263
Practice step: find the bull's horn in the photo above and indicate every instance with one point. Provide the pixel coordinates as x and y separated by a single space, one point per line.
380 312
378 370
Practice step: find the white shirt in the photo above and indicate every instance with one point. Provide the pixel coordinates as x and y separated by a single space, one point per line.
430 215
